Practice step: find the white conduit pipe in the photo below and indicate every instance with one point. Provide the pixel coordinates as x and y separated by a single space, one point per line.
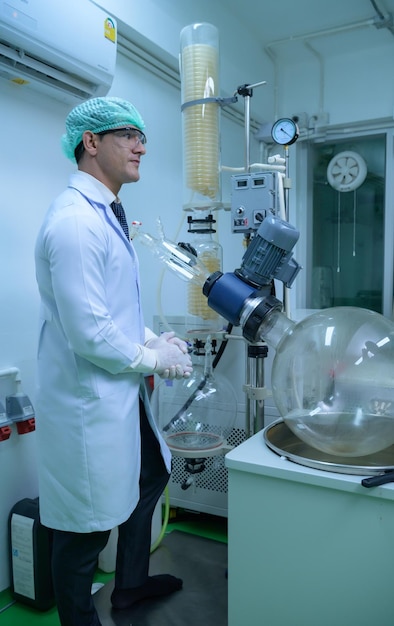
324 33
258 166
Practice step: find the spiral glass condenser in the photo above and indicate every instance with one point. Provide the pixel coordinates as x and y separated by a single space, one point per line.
199 66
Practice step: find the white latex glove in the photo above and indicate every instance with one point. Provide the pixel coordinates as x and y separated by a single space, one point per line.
172 358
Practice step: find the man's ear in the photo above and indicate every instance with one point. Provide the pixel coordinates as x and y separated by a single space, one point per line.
90 141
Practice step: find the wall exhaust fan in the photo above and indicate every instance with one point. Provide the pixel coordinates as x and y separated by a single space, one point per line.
346 171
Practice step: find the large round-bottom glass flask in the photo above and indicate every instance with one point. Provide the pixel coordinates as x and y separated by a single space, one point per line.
333 378
195 415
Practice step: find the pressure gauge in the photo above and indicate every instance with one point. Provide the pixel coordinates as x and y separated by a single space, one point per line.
285 131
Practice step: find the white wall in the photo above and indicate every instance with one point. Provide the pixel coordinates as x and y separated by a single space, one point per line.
33 171
357 86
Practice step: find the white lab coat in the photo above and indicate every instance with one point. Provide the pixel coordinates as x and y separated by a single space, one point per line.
87 407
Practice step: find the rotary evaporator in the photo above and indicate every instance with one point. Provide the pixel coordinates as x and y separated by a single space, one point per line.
198 417
310 539
332 375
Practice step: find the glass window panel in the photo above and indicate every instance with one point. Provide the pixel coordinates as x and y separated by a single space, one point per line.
348 228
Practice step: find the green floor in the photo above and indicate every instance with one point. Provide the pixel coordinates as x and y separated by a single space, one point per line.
17 614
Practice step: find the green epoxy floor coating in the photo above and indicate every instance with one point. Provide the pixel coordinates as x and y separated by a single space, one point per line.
17 614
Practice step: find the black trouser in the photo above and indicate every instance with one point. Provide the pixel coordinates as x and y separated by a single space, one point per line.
75 555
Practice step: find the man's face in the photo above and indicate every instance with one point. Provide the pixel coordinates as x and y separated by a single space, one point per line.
117 157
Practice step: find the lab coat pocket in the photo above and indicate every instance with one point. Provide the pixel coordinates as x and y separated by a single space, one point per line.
96 382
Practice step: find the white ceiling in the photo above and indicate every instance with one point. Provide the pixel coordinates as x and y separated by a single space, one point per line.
330 26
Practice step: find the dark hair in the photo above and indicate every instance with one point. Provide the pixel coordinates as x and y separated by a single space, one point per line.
78 152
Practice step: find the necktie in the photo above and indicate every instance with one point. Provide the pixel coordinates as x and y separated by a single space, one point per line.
121 217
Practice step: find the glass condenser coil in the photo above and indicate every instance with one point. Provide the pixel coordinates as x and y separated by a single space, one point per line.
199 62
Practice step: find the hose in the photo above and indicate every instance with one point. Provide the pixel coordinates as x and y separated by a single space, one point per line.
158 541
202 383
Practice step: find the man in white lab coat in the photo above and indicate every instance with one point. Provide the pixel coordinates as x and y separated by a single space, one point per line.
102 462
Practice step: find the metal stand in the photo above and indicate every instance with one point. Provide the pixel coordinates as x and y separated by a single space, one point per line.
255 391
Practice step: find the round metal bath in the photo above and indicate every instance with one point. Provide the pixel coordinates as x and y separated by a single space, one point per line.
279 438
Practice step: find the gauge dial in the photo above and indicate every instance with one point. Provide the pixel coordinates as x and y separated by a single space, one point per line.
285 131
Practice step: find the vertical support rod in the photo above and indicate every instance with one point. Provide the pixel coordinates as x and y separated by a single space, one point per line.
254 417
248 377
247 133
259 404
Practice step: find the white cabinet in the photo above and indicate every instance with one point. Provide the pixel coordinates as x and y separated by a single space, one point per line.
306 547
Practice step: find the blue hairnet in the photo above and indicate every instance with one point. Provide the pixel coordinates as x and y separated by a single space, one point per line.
97 115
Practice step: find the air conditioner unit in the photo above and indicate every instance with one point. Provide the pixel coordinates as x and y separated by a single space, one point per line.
64 49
